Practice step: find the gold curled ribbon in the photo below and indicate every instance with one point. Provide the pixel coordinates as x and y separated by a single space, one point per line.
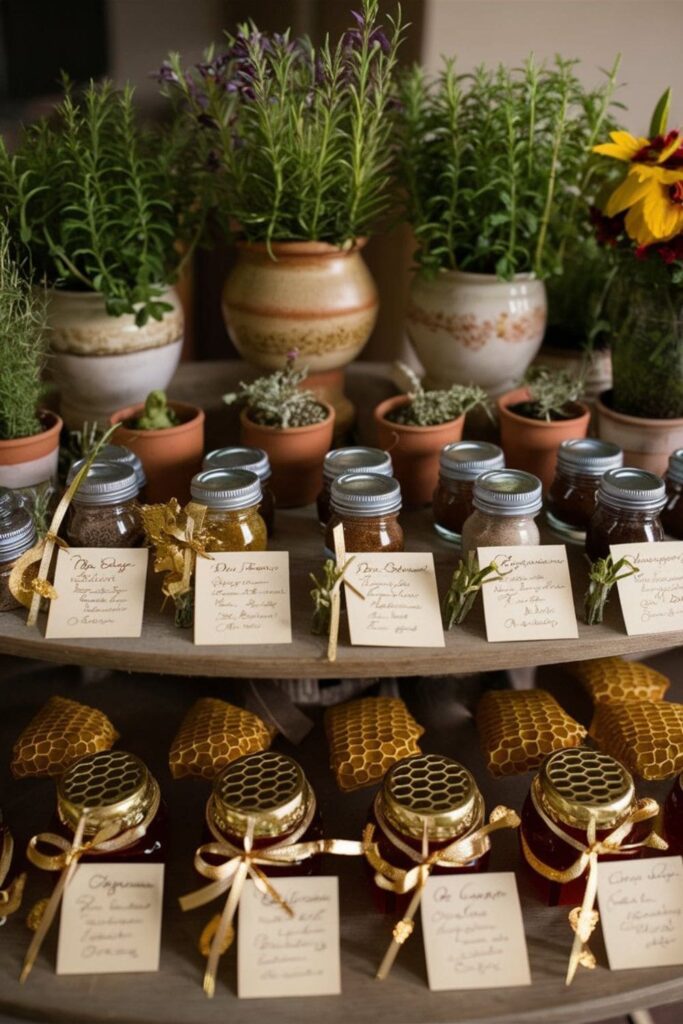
584 919
227 867
400 881
108 840
11 897
178 537
343 564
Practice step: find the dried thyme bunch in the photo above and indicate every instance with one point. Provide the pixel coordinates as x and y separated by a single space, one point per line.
278 401
467 581
604 573
552 391
429 408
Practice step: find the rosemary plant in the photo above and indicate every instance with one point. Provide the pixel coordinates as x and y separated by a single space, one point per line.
321 595
429 408
466 582
278 400
604 573
296 138
551 393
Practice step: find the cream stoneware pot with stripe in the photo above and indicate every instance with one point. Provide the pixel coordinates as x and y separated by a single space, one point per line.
101 363
29 463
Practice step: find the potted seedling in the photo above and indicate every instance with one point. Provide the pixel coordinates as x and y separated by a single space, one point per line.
536 417
415 426
169 439
293 426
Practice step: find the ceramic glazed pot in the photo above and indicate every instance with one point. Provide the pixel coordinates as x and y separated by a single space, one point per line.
647 443
102 363
475 329
30 462
532 444
170 457
296 456
414 451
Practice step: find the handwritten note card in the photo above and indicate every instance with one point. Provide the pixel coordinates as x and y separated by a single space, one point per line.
401 601
278 955
473 932
111 919
243 598
101 592
652 599
641 908
534 600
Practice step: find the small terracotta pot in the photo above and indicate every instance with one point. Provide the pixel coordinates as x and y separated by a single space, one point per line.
532 444
415 451
647 443
32 461
171 457
296 456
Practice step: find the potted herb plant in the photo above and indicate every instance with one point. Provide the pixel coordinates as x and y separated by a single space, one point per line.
415 426
169 439
642 224
495 168
292 425
298 139
537 417
100 204
29 435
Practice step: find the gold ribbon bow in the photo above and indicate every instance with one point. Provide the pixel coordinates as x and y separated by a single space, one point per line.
397 880
10 898
335 593
236 865
108 840
584 919
178 537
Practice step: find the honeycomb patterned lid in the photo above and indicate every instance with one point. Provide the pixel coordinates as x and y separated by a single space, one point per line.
578 784
431 792
110 785
268 791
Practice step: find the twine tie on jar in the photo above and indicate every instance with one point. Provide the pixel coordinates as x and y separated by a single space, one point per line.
399 881
178 538
10 898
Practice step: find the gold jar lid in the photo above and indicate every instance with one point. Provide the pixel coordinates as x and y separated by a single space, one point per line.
267 791
428 791
578 784
111 785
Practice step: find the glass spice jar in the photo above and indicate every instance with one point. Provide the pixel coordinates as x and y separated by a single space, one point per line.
627 511
572 497
459 466
116 453
256 461
349 460
17 535
672 513
572 787
104 511
232 498
506 502
367 505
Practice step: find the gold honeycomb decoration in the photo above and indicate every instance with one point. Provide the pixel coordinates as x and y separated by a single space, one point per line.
367 737
646 736
61 732
614 679
519 728
212 734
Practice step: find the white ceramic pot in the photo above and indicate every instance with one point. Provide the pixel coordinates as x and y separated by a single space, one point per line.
476 329
102 363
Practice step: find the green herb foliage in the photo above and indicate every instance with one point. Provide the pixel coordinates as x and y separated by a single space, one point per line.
552 392
466 582
278 400
430 408
603 575
157 414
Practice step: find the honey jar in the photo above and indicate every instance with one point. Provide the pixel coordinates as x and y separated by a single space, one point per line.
255 460
232 498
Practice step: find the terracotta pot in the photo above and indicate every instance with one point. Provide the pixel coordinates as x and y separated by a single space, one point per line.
101 363
170 457
475 329
414 451
29 462
647 443
532 444
296 456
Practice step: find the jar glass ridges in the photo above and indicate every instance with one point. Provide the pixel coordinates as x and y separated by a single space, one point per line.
672 513
581 463
506 502
104 512
629 503
17 535
255 460
232 498
460 464
349 460
367 505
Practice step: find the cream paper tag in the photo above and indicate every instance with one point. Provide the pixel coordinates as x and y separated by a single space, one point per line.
100 592
111 919
279 955
641 909
473 932
534 601
401 606
652 599
242 597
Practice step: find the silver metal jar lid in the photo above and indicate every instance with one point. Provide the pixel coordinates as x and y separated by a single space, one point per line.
675 468
634 490
253 459
589 455
114 453
365 494
107 483
226 489
466 460
508 492
17 529
356 460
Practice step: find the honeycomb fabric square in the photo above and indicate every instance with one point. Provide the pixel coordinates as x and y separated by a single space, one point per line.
367 736
614 679
212 734
61 732
646 736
